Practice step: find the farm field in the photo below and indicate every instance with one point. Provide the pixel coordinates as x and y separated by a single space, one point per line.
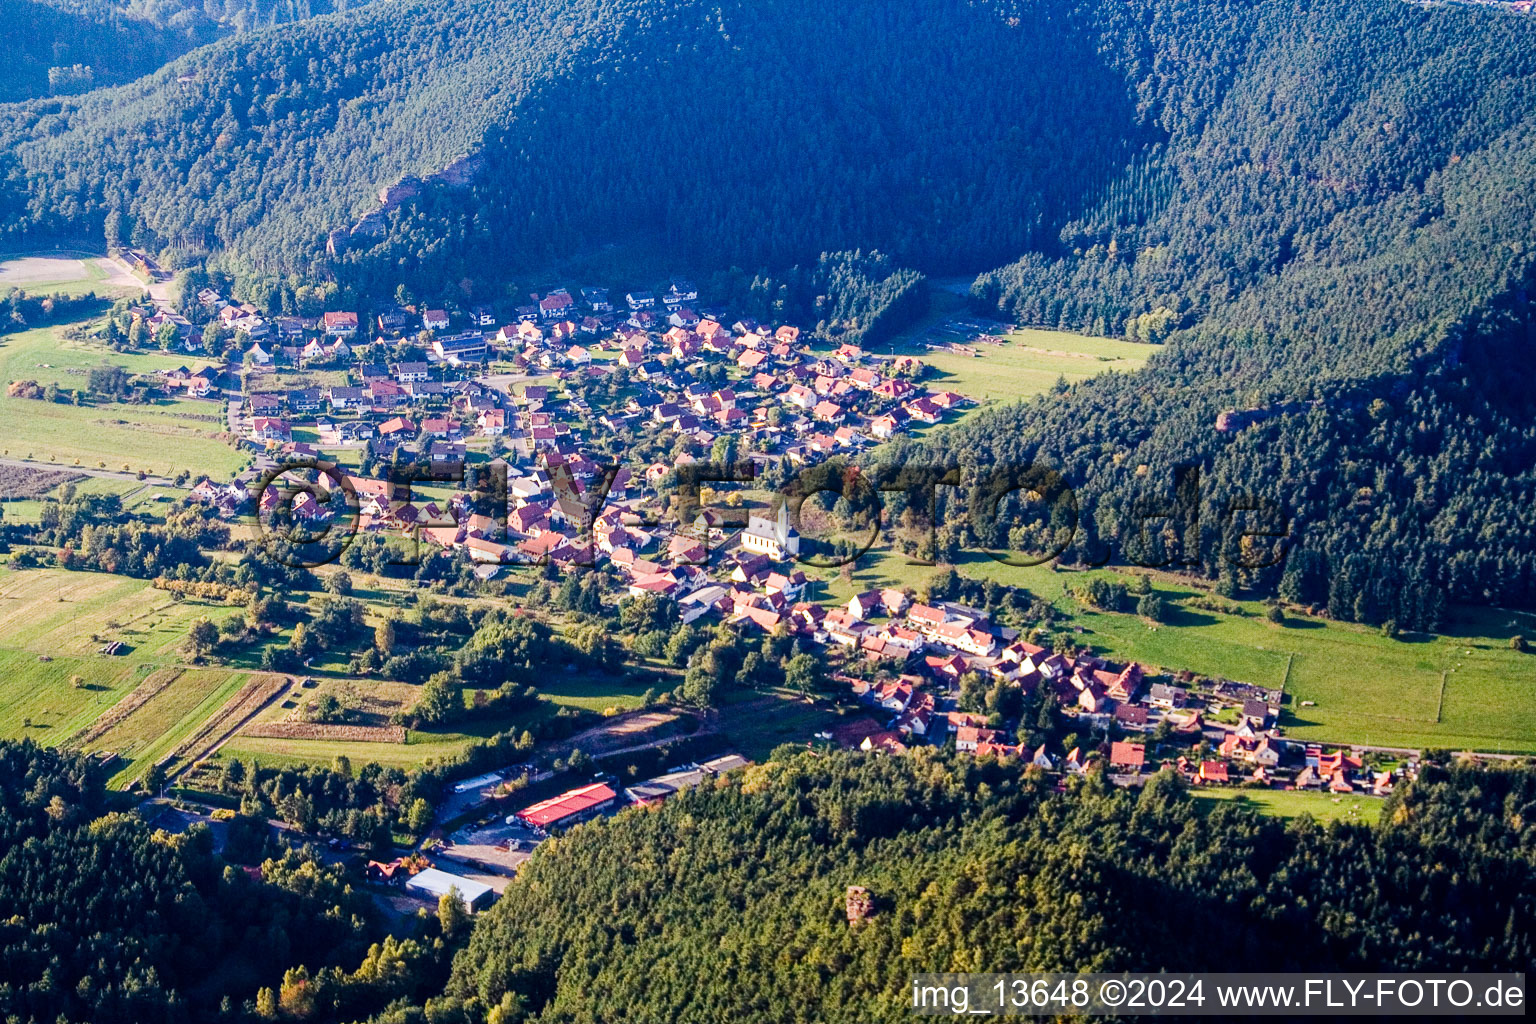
71 273
154 730
378 699
419 747
48 618
416 751
1367 688
1293 804
163 438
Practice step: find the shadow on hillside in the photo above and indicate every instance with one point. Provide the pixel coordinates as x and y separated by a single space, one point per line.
1183 617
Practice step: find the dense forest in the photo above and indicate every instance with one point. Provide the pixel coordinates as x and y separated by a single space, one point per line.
104 918
1342 263
64 47
729 903
1323 208
856 297
583 123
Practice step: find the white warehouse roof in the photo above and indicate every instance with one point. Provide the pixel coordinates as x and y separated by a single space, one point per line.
437 883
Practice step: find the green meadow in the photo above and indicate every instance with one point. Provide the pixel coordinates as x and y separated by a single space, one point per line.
137 497
1029 362
52 626
1463 688
162 438
1294 803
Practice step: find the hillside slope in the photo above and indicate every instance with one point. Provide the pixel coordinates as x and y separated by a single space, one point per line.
65 47
731 131
57 49
730 905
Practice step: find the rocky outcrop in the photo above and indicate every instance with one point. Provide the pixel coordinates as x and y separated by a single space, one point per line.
373 226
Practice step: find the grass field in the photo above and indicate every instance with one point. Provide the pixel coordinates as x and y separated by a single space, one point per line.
1294 803
1367 688
418 749
142 499
1029 363
52 624
163 438
789 719
592 692
69 273
154 730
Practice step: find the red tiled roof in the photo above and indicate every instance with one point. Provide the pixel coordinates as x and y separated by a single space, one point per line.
1128 755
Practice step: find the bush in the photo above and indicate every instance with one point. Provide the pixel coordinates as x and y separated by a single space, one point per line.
1152 606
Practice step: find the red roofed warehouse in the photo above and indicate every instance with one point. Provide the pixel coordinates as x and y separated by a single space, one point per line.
570 807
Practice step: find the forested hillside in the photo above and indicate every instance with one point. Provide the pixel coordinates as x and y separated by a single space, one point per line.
55 49
104 919
730 904
1340 243
63 47
732 133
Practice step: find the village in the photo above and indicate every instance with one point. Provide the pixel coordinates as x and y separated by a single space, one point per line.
761 392
554 399
689 372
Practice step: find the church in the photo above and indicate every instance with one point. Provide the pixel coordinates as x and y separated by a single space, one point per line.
772 537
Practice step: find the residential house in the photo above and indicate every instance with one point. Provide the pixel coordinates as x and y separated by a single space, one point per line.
829 412
923 411
557 305
1127 757
400 427
339 325
411 373
492 422
268 428
1213 771
343 398
304 399
681 290
462 348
